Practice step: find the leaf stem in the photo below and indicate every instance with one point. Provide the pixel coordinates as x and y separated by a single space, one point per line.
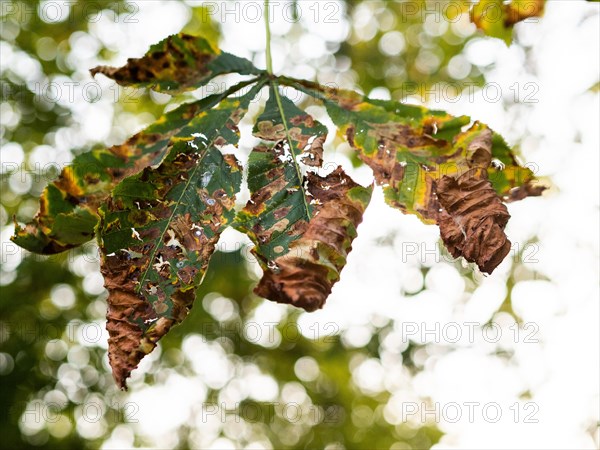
268 45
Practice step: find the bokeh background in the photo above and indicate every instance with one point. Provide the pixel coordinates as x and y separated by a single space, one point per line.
413 349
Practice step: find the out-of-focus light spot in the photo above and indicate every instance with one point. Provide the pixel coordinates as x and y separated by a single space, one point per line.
411 279
262 388
10 117
83 265
91 428
19 183
445 280
380 93
60 427
11 154
427 62
362 416
312 46
483 52
357 336
46 48
121 437
56 349
9 29
29 423
7 364
536 299
78 356
463 27
255 445
392 43
93 283
433 26
222 444
221 308
63 296
369 376
459 67
53 12
294 392
209 360
306 369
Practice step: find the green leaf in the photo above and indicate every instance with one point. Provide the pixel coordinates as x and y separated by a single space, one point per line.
412 149
178 63
159 230
302 226
68 206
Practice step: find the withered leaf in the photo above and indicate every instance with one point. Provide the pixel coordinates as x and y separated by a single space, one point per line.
178 63
68 206
473 219
301 257
159 230
413 151
305 274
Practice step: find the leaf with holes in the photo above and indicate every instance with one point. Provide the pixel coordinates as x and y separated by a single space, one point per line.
412 149
302 225
159 230
178 63
68 207
159 202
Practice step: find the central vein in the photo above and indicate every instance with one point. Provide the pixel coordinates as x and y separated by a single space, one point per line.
275 90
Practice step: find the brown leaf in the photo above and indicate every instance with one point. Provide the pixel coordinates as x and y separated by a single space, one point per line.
314 155
127 343
473 219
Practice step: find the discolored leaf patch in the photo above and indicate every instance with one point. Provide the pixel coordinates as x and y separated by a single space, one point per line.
178 63
414 152
159 230
301 256
305 274
496 18
68 207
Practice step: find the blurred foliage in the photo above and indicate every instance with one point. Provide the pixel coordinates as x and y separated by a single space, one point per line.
408 47
52 361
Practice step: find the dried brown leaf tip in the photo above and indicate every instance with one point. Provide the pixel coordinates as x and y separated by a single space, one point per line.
472 218
305 274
